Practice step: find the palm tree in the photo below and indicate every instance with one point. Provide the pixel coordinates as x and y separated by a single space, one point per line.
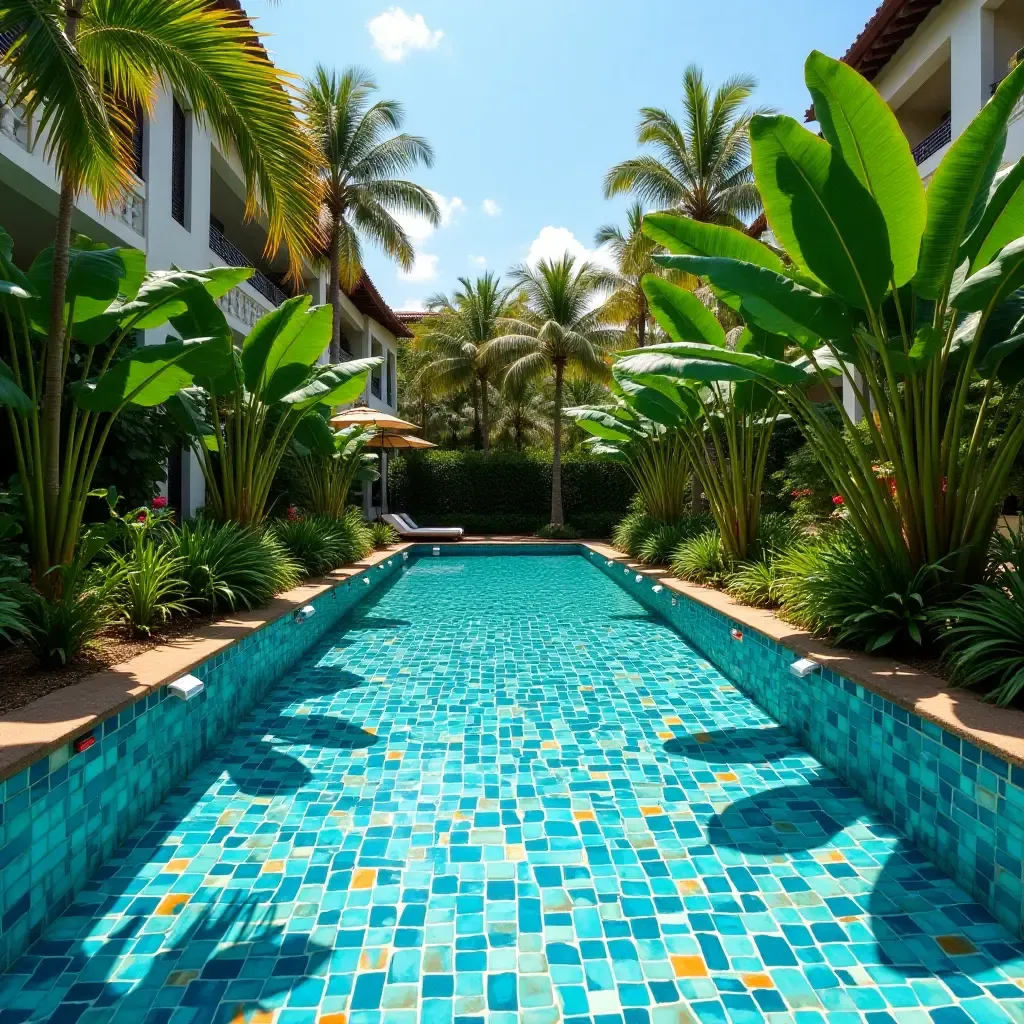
457 338
559 329
704 167
634 254
524 414
83 66
358 159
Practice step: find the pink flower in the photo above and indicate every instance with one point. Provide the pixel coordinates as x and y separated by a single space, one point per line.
837 500
141 517
159 501
293 513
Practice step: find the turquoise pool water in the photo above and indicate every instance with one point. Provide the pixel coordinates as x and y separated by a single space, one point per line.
503 791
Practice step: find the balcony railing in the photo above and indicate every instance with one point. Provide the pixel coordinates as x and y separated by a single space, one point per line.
932 143
234 257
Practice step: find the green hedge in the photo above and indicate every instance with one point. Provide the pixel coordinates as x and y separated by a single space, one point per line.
507 492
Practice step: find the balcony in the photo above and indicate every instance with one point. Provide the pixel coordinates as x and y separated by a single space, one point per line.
234 257
934 141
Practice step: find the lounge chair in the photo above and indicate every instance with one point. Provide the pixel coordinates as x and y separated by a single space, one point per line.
410 531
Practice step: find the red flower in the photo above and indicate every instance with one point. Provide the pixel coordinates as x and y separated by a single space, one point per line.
837 500
159 501
293 513
944 485
141 517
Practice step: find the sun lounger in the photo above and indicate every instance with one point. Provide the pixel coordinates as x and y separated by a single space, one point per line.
410 531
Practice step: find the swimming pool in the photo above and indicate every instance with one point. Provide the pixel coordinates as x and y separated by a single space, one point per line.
503 790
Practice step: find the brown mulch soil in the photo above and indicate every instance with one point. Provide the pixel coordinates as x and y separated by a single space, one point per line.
24 681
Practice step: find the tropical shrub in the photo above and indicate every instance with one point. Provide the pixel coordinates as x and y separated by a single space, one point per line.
383 534
909 298
108 297
755 583
229 566
61 627
317 543
984 638
15 595
838 585
657 547
241 423
634 528
552 532
700 559
328 473
150 587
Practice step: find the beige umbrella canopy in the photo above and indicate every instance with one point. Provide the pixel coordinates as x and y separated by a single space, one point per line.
390 441
364 416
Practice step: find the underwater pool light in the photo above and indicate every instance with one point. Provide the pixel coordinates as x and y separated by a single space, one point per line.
186 687
83 743
639 578
307 611
736 634
657 588
436 550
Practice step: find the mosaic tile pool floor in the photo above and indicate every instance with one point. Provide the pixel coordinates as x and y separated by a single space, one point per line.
501 791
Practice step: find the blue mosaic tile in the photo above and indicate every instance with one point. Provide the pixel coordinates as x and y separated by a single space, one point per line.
502 790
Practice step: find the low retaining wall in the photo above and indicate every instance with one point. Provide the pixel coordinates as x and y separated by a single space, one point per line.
962 805
63 814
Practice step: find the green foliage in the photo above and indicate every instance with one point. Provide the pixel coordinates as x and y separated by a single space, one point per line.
228 566
328 475
754 583
634 528
322 543
383 534
838 585
658 546
912 298
242 421
700 559
984 638
151 587
553 532
61 627
506 492
15 595
134 459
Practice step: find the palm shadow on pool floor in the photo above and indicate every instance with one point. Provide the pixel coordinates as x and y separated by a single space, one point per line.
921 922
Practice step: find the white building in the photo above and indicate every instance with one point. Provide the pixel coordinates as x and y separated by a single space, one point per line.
188 210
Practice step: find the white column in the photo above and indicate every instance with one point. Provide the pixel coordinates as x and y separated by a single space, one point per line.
971 64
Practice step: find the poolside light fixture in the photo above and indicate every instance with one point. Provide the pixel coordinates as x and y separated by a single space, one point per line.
736 634
657 588
675 601
366 580
83 743
186 687
639 578
435 550
609 562
405 556
803 667
307 611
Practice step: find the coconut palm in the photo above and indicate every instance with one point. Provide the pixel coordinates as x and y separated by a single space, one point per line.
358 161
524 414
456 339
559 328
633 253
81 67
703 166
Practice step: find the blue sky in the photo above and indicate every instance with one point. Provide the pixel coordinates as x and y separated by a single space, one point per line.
528 102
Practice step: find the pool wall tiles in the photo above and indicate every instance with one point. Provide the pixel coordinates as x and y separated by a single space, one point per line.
962 807
63 816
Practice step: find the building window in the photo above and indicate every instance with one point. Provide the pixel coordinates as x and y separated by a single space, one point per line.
391 378
375 350
179 177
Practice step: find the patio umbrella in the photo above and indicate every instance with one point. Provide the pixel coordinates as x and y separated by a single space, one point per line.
389 442
364 416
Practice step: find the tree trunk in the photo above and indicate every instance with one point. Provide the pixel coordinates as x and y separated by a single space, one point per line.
334 294
475 391
556 455
485 422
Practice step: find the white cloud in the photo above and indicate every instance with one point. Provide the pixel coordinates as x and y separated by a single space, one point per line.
423 269
419 229
478 261
396 34
491 208
414 306
552 243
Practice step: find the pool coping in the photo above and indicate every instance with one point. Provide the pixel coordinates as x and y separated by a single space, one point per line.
34 730
1000 731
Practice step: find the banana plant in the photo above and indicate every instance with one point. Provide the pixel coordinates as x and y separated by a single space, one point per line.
911 297
109 297
329 473
650 444
732 417
242 422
